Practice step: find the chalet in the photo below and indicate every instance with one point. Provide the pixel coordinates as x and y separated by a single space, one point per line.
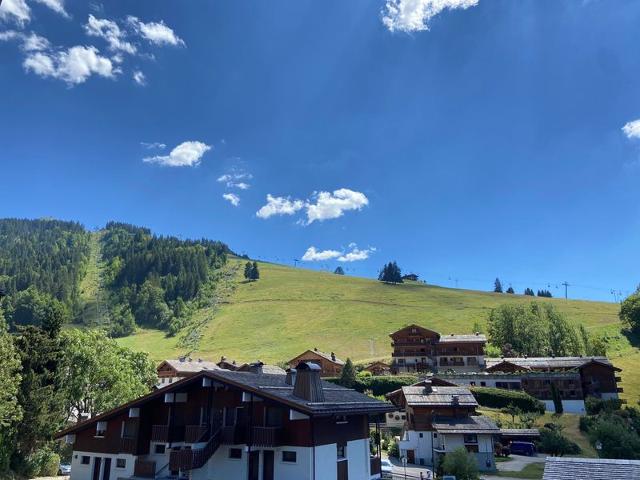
330 365
412 277
170 371
417 349
222 425
441 419
378 368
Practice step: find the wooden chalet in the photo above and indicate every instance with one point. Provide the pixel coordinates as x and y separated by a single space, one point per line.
330 365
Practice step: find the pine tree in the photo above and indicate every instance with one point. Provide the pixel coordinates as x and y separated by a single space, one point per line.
528 291
510 290
497 286
255 273
339 271
391 273
248 271
348 375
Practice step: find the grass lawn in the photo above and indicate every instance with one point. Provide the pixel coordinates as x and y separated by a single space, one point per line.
290 310
533 471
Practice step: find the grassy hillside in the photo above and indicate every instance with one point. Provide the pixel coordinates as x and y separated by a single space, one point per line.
289 310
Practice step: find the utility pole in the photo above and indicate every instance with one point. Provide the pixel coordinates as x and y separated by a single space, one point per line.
566 285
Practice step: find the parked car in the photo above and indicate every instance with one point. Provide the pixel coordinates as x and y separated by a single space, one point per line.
387 469
522 448
64 469
501 450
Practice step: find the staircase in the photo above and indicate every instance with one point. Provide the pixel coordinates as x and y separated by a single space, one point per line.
185 460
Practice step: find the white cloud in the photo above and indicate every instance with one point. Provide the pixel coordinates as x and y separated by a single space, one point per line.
632 129
139 78
356 254
353 255
279 206
29 43
333 205
154 32
231 180
109 31
153 145
187 154
55 5
313 255
414 15
73 66
15 10
232 198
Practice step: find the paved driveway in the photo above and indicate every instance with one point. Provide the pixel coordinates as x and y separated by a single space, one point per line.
413 471
518 462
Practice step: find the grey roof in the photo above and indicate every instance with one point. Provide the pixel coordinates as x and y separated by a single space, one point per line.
438 396
474 424
463 338
322 354
515 432
547 362
563 468
191 366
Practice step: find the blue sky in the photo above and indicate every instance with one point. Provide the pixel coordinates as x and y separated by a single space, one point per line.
466 139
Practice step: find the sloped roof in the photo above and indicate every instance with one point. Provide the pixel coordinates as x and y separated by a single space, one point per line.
338 400
324 355
471 338
548 362
515 432
438 396
473 424
190 366
564 468
421 330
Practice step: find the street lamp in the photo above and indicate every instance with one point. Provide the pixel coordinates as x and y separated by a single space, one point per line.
598 446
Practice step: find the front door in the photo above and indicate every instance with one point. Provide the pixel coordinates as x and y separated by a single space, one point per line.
97 462
106 471
343 470
411 456
267 465
254 465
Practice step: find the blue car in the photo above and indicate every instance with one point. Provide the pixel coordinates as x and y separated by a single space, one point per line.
523 448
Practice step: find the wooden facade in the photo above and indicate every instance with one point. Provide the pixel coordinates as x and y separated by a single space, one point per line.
330 365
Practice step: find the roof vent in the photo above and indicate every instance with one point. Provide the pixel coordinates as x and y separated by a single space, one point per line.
333 357
199 360
290 379
307 383
477 333
455 400
256 367
315 349
223 358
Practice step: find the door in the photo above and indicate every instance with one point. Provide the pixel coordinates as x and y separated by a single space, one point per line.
106 471
254 465
97 462
411 456
343 470
267 464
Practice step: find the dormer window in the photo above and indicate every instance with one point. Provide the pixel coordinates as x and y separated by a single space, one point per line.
101 429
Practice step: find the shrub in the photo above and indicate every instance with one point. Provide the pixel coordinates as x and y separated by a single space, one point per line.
499 398
461 464
553 442
595 405
42 463
618 441
364 374
379 385
393 450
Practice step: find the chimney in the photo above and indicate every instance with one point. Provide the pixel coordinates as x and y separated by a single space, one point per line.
181 359
223 358
455 400
291 376
333 357
199 360
307 384
256 367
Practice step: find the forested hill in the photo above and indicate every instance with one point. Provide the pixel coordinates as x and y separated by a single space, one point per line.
118 277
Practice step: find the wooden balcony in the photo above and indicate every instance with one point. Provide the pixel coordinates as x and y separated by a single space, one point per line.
195 433
233 435
128 445
266 436
144 469
162 433
191 459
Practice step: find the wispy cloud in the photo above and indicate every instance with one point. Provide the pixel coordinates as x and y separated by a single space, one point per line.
111 32
279 206
234 180
352 254
73 66
30 42
187 154
232 198
16 11
155 32
414 15
55 5
139 78
632 129
153 145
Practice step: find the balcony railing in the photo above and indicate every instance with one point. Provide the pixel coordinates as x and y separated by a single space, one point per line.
144 469
266 436
164 433
233 435
128 445
195 433
191 459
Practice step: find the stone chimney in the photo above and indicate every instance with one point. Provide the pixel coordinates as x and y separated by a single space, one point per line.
307 384
291 376
256 367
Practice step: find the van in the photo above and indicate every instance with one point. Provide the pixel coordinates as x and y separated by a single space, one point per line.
523 448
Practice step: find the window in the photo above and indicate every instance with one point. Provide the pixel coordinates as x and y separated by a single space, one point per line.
101 429
470 438
473 384
404 417
273 417
85 460
342 452
483 384
235 453
289 457
159 449
341 419
121 463
421 435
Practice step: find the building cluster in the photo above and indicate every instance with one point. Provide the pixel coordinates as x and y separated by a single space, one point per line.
220 420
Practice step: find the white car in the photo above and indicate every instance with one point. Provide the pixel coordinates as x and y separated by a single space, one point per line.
386 468
65 469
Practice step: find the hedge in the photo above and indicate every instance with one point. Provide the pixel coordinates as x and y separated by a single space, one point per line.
500 398
379 385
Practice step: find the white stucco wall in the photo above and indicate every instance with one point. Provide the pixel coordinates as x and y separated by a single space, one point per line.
326 459
569 406
609 395
358 456
85 472
422 447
